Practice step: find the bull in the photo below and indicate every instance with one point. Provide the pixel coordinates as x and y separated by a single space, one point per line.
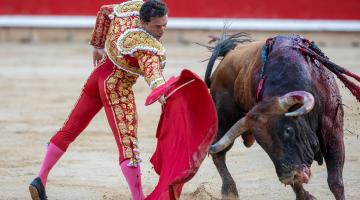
281 93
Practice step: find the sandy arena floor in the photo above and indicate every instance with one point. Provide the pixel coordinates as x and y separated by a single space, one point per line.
39 85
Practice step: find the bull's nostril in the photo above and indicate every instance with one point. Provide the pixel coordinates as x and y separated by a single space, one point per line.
296 176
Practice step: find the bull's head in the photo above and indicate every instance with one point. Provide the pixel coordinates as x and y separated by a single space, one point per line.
280 127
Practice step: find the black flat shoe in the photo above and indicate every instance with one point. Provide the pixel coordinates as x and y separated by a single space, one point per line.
37 190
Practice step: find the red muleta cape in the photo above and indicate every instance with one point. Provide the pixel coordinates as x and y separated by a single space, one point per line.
186 129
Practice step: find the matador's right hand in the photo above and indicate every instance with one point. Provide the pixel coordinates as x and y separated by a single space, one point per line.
98 55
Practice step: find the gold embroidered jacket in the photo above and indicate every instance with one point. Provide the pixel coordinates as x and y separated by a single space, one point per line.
130 47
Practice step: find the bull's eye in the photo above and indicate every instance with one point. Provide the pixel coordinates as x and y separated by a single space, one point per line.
288 132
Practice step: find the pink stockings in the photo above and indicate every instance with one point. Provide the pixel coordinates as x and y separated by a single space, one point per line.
53 154
132 174
133 177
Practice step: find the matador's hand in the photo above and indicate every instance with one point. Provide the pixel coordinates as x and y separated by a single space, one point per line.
162 100
98 55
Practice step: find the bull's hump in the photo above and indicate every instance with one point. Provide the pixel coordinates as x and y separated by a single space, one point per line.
249 45
247 59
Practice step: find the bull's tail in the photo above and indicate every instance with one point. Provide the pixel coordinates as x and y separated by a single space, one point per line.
340 72
224 44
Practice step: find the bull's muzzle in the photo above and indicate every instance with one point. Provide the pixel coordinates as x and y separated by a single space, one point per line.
296 176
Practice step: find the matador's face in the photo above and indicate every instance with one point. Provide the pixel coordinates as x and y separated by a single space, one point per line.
156 27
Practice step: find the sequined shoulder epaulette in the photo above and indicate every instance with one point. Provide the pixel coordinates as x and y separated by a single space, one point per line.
128 8
138 39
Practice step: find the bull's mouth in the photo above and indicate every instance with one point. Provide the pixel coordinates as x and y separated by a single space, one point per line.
296 176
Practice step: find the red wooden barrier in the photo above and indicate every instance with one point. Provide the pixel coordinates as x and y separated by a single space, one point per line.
260 9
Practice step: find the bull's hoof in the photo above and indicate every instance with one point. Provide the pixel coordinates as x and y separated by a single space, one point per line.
306 196
229 192
230 197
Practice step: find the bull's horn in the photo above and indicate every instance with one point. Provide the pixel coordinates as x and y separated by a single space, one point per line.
235 131
292 98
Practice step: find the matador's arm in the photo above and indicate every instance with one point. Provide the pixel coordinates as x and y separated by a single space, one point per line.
102 25
100 31
149 63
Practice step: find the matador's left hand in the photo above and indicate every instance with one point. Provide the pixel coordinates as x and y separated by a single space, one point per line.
162 100
98 55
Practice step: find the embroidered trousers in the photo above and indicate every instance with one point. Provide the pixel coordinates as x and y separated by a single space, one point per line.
111 88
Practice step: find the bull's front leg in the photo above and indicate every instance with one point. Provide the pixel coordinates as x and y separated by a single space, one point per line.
228 113
301 193
335 162
228 189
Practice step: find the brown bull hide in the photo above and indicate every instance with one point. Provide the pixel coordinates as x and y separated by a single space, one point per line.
309 131
241 68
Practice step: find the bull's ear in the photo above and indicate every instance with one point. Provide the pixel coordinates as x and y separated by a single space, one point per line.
319 157
291 99
248 138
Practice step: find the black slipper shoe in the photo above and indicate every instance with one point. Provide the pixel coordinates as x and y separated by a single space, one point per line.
37 190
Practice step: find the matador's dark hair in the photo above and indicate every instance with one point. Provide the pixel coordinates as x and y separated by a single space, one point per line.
152 8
